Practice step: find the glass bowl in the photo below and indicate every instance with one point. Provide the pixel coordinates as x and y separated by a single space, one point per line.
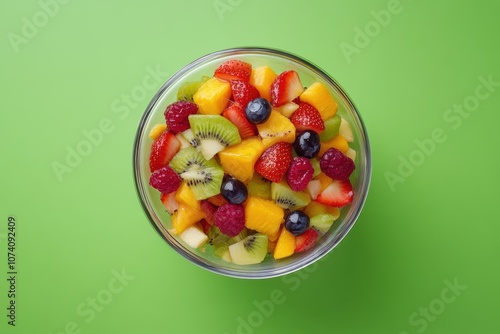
279 61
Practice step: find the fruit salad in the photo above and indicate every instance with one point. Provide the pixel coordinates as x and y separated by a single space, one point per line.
250 164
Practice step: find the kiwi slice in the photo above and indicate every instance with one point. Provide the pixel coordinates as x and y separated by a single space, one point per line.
322 222
251 250
221 242
204 182
287 198
316 166
214 133
190 158
188 135
259 187
332 126
189 88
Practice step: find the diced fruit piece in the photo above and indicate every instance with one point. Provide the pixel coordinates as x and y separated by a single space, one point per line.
217 200
204 182
194 237
185 217
306 117
322 222
236 114
189 88
258 111
345 131
337 194
277 128
324 180
169 202
255 219
274 162
299 173
234 69
260 187
182 140
162 150
251 250
209 210
222 251
306 240
190 138
157 130
233 190
205 226
314 188
307 144
297 222
185 195
243 92
332 126
230 219
285 246
262 77
165 180
338 142
239 160
271 246
320 98
287 198
336 165
351 154
177 115
189 158
212 96
287 109
285 88
314 208
214 132
274 237
316 166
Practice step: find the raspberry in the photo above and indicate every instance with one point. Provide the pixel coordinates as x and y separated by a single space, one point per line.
336 165
165 180
299 173
230 219
177 114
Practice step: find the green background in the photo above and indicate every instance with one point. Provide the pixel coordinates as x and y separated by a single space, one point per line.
75 233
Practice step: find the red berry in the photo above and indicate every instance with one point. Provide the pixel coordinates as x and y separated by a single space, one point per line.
299 174
177 114
243 92
236 114
338 194
234 70
165 179
163 150
285 88
306 117
230 219
336 165
209 210
274 162
306 240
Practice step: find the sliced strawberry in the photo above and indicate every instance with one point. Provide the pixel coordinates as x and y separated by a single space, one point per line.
236 114
163 150
234 70
274 162
209 210
243 92
285 88
169 202
338 194
205 226
306 240
306 117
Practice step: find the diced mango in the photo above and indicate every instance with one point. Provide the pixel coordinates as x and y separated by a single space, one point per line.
184 195
185 217
285 246
213 96
239 160
338 142
277 128
320 98
262 77
157 130
263 215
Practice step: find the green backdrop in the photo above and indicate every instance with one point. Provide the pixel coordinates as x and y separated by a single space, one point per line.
422 257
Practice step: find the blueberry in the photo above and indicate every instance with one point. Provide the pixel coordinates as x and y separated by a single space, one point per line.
233 190
258 110
297 222
307 144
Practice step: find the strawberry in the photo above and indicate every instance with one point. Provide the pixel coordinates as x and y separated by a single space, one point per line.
285 88
306 117
236 114
338 194
209 210
306 240
274 162
162 150
243 92
234 70
169 202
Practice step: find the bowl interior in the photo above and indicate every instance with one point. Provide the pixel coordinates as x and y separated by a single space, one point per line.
279 61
